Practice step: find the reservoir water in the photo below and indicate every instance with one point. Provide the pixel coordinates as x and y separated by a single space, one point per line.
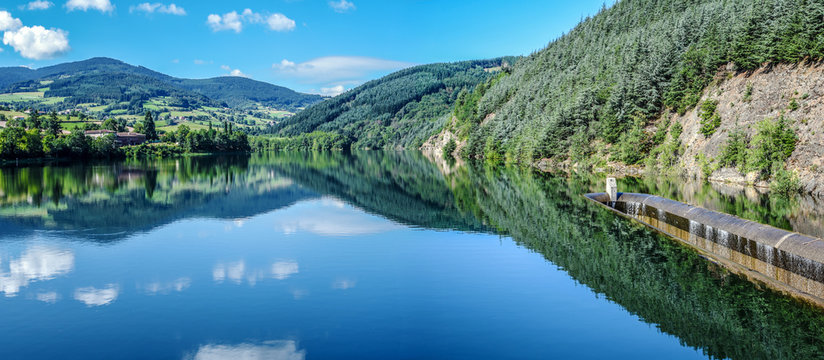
371 255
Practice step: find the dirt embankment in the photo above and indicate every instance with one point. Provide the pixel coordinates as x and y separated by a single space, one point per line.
771 92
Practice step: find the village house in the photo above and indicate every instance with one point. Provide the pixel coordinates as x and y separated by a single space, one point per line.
120 138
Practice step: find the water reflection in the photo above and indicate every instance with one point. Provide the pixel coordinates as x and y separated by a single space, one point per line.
50 297
37 263
291 204
325 217
237 272
163 288
97 297
270 350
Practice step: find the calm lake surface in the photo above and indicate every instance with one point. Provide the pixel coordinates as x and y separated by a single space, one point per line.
371 255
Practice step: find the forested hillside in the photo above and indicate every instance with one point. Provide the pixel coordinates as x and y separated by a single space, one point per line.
125 89
400 110
617 71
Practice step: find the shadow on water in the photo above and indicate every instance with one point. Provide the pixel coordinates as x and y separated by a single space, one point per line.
659 280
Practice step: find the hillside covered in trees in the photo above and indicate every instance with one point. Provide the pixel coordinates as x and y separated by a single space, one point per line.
612 87
107 81
619 70
399 110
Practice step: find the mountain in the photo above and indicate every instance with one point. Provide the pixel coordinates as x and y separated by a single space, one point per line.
111 82
401 109
639 83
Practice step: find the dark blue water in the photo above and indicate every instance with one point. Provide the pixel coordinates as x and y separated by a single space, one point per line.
358 257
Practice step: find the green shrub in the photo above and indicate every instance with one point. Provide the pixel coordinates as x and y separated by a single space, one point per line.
734 152
748 93
449 148
773 143
793 105
710 120
784 182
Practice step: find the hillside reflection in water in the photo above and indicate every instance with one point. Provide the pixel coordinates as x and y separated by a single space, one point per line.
369 255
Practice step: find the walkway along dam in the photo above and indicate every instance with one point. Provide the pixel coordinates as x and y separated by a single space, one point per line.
782 260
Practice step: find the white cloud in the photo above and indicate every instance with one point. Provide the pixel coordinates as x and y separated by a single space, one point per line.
175 61
9 23
37 263
332 91
151 8
331 69
282 270
85 5
233 72
341 6
270 350
97 297
234 21
37 42
229 21
199 62
279 22
39 5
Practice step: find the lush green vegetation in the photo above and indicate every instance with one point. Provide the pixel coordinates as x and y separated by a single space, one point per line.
598 89
40 137
209 140
630 62
402 109
314 141
103 80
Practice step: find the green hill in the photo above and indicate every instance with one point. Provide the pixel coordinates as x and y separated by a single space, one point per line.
601 88
117 88
399 110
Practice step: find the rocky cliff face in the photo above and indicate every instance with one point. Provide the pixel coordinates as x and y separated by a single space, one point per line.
772 90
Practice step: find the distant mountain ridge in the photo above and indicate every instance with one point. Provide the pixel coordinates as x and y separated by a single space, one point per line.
103 79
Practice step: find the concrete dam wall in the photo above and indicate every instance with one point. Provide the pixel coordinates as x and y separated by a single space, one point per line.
783 260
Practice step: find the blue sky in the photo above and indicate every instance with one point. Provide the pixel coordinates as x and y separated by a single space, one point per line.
318 46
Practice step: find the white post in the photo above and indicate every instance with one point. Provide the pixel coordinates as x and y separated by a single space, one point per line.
612 189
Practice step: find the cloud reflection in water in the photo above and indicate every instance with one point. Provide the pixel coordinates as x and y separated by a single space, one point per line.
237 272
270 350
37 263
97 297
331 217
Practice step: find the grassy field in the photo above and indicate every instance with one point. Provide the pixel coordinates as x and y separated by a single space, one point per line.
191 125
21 96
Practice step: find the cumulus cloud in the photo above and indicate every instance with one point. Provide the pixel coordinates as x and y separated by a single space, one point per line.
229 21
37 263
279 22
332 91
97 297
9 23
234 21
85 5
341 6
151 8
233 72
270 350
39 5
37 42
331 69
